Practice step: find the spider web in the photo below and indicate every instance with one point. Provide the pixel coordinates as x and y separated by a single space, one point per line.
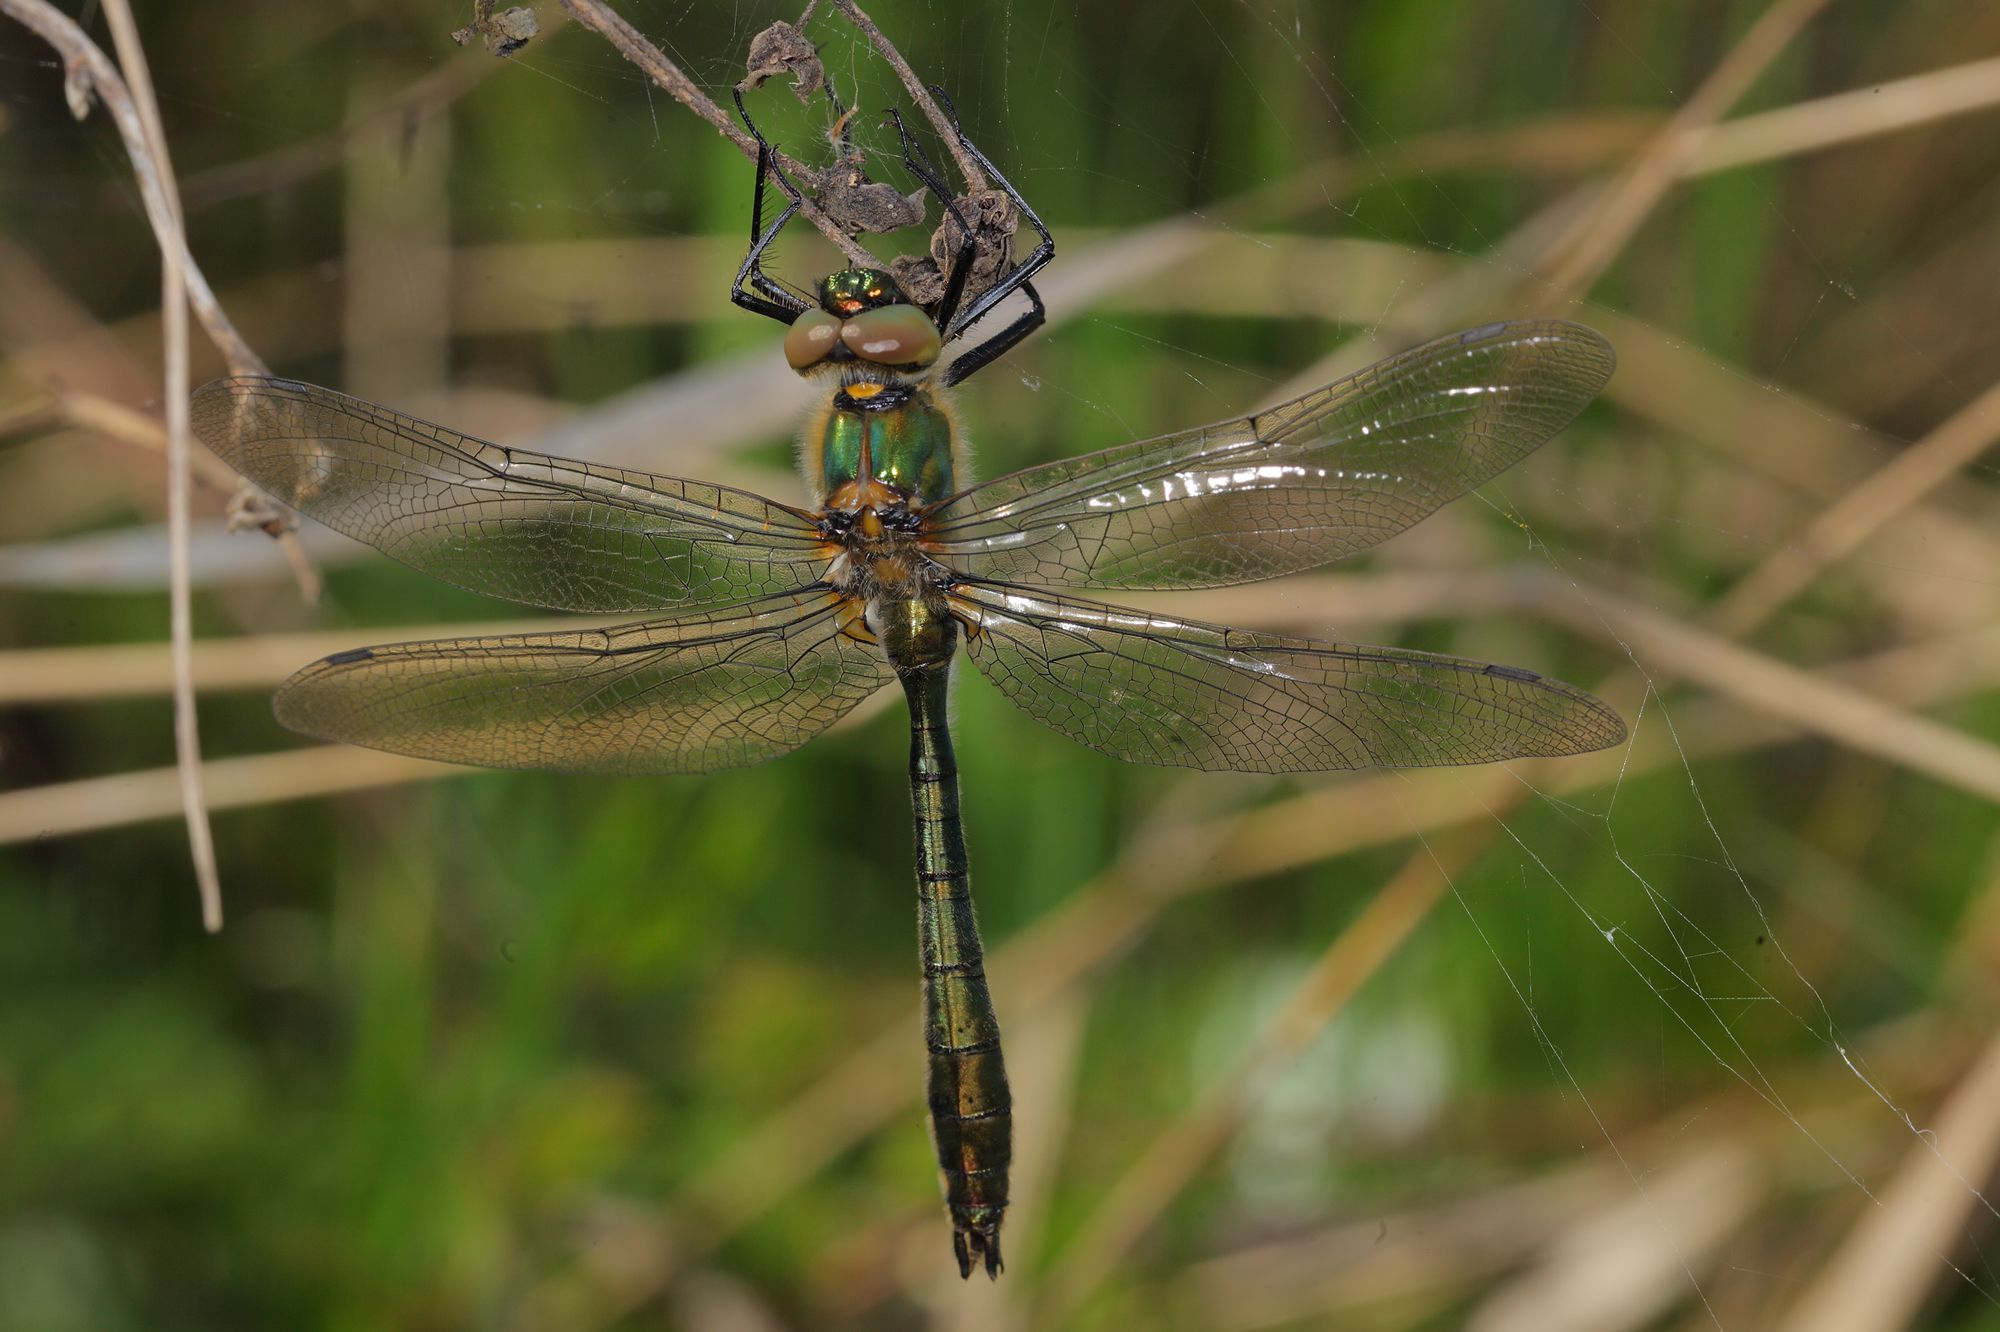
1645 873
1711 972
1661 882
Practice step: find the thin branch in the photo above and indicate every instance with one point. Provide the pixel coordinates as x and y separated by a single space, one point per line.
174 321
88 73
248 506
610 25
975 179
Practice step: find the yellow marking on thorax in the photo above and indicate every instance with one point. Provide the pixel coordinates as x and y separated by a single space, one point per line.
862 493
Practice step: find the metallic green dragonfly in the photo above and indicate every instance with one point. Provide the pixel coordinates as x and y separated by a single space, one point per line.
783 617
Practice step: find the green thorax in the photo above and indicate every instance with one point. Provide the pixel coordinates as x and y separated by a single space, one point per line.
900 436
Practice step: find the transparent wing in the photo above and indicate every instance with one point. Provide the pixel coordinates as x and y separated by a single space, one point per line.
691 694
1306 483
1147 689
513 524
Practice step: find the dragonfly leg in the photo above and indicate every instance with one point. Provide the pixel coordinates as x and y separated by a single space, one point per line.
774 302
1000 343
919 164
1018 276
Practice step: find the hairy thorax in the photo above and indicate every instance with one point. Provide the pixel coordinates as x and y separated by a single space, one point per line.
876 551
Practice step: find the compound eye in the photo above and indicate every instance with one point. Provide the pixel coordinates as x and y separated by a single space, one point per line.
893 335
811 339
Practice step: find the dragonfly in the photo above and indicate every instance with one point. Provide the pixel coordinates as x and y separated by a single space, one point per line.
768 621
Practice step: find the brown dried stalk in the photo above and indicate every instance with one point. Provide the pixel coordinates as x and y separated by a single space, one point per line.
87 72
968 169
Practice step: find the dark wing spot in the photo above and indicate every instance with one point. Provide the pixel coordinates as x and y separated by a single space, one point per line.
351 656
1514 673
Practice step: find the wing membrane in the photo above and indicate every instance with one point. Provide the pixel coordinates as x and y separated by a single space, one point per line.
1306 483
690 694
1148 689
513 524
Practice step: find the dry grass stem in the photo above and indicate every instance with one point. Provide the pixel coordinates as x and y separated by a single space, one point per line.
1843 118
133 670
1625 1266
166 215
1863 511
1601 235
94 803
1570 145
1806 699
1177 1155
129 425
1886 1271
1456 296
1388 1260
29 418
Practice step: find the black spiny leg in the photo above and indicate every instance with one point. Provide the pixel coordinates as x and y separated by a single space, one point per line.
919 164
966 363
953 321
774 302
1017 276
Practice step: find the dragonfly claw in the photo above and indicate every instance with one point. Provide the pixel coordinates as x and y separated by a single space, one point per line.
977 1244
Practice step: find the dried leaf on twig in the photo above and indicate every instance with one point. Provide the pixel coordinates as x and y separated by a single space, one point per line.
504 33
782 51
858 204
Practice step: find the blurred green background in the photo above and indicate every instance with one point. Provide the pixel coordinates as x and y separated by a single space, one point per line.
1625 1043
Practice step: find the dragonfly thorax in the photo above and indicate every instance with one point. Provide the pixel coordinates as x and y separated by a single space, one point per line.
879 557
880 440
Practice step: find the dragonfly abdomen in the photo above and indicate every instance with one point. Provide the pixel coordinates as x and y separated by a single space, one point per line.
971 1109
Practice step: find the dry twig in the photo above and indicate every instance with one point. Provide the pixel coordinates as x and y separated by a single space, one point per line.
968 169
87 73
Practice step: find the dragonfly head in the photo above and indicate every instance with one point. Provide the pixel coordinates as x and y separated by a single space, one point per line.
863 316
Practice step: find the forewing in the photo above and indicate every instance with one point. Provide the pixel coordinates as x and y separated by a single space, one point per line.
1306 483
1147 689
513 524
690 694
